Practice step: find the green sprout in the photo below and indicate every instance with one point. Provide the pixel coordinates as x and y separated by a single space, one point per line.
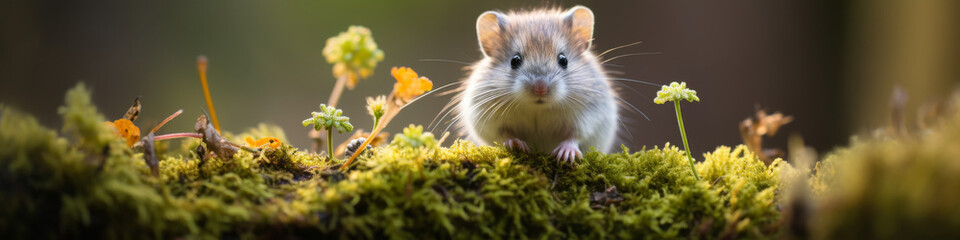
329 118
377 107
414 137
677 92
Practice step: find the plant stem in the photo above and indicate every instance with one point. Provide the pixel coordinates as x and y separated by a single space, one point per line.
683 134
330 142
177 135
202 69
337 90
391 112
166 120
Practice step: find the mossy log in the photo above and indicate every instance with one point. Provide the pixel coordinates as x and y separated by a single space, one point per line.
83 181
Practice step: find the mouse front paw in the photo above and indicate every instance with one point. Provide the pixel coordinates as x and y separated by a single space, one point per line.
567 151
516 144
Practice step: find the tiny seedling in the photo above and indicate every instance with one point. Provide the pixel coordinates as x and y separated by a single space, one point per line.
329 118
675 93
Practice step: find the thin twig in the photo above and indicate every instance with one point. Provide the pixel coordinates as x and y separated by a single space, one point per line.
337 90
202 69
175 114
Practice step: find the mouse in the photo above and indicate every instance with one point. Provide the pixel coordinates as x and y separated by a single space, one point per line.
539 87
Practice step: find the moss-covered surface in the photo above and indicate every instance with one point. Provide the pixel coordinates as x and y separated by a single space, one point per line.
83 181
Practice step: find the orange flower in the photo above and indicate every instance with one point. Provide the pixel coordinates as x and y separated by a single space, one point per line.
126 130
409 85
267 141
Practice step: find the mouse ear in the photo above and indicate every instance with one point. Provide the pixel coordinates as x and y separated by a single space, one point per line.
489 28
579 21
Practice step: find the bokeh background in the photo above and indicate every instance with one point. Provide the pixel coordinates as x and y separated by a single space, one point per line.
831 64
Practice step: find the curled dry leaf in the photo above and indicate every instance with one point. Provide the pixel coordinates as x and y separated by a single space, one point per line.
604 199
753 129
134 111
265 142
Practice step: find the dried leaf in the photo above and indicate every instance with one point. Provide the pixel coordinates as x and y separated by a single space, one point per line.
134 111
265 142
604 199
126 130
753 129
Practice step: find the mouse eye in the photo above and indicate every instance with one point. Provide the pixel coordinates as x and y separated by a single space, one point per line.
562 60
516 61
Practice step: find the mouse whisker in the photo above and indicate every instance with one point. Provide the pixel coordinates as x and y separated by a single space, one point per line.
634 107
447 109
449 106
619 47
511 107
496 106
634 90
630 55
635 81
452 122
445 61
425 95
625 128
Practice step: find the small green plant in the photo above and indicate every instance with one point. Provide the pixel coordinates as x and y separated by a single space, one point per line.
329 118
413 137
377 107
677 92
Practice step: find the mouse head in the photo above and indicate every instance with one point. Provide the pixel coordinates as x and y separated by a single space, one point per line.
543 53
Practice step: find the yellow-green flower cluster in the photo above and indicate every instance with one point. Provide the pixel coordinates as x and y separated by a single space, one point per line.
414 137
353 54
675 92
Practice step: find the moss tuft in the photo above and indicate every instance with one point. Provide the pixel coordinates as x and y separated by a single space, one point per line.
60 188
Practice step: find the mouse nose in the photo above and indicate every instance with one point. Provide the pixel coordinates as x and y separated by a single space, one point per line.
540 88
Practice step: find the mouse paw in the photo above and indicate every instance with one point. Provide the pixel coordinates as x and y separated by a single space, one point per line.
516 145
567 151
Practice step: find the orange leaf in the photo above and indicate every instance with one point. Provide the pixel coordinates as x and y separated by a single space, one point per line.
409 85
127 131
270 142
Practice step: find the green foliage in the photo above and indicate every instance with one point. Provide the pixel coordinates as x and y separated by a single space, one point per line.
329 118
414 137
891 188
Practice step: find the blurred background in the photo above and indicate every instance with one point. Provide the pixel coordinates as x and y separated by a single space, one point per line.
830 64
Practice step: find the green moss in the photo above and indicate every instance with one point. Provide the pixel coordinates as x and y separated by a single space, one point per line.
904 188
60 187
